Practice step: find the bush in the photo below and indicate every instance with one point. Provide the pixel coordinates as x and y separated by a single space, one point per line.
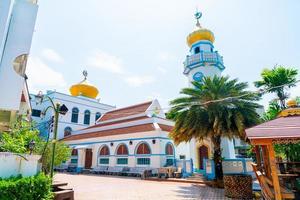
35 187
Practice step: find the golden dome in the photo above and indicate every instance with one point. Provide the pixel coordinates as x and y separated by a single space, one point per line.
200 33
291 103
84 88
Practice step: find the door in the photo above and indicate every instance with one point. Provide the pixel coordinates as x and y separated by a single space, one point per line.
88 158
203 153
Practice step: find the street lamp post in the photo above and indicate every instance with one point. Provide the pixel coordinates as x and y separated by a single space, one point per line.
58 109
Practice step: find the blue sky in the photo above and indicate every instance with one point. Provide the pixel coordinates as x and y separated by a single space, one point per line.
134 49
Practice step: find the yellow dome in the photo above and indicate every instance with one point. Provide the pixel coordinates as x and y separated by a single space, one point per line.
200 34
291 103
84 89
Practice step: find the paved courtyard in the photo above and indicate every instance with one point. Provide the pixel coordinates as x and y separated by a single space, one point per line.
92 187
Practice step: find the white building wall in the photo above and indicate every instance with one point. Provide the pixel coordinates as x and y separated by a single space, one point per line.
17 28
157 156
81 103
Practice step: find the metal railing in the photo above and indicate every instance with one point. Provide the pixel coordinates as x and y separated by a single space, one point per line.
210 57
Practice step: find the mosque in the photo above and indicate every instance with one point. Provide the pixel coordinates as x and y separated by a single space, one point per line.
137 135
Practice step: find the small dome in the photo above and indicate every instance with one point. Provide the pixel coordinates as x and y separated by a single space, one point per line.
291 103
200 34
84 88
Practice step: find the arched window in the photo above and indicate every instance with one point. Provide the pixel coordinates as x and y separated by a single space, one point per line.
122 153
197 50
143 148
75 112
74 152
170 155
103 155
122 150
67 131
87 116
143 151
169 150
104 151
97 116
74 157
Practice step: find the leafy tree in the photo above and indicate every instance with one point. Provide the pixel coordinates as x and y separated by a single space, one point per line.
203 113
272 81
22 133
272 112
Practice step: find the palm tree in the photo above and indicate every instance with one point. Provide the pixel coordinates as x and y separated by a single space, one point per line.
209 110
272 81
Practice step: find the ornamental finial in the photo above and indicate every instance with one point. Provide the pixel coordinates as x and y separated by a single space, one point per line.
198 15
85 74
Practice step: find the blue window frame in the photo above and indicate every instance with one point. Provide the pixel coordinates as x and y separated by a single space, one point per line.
143 161
87 117
104 161
75 113
122 161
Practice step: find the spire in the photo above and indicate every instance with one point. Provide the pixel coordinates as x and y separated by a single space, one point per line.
85 74
198 15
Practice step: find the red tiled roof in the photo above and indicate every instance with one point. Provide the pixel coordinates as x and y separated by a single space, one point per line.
125 112
166 127
283 127
116 122
126 130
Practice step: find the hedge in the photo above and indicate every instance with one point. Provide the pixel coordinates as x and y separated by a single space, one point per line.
18 188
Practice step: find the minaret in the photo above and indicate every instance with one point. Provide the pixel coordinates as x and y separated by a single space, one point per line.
203 60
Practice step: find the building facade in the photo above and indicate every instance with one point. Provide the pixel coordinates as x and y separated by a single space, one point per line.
83 109
17 21
134 136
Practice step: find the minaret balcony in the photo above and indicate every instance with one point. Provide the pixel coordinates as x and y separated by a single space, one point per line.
202 59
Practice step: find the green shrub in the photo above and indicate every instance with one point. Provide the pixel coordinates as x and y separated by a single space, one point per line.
29 188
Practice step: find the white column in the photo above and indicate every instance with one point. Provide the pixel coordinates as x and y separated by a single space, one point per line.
227 148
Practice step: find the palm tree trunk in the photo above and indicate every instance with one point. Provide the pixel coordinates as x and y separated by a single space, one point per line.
216 140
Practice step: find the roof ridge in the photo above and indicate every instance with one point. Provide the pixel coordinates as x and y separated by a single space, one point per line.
132 106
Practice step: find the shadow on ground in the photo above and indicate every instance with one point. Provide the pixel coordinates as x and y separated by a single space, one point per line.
197 191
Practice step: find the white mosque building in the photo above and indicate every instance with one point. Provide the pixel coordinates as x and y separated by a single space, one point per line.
83 109
17 21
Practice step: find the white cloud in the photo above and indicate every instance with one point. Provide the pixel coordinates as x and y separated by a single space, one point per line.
43 77
52 55
137 81
105 61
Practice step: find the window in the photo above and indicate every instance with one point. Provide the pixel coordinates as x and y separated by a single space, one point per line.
104 161
122 150
143 161
169 162
97 116
104 151
74 152
67 131
36 113
197 50
87 115
169 150
122 161
74 160
143 148
75 113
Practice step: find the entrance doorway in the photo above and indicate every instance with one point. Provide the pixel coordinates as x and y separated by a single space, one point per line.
203 153
88 158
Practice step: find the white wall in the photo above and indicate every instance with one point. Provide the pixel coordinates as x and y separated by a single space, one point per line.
14 165
16 30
